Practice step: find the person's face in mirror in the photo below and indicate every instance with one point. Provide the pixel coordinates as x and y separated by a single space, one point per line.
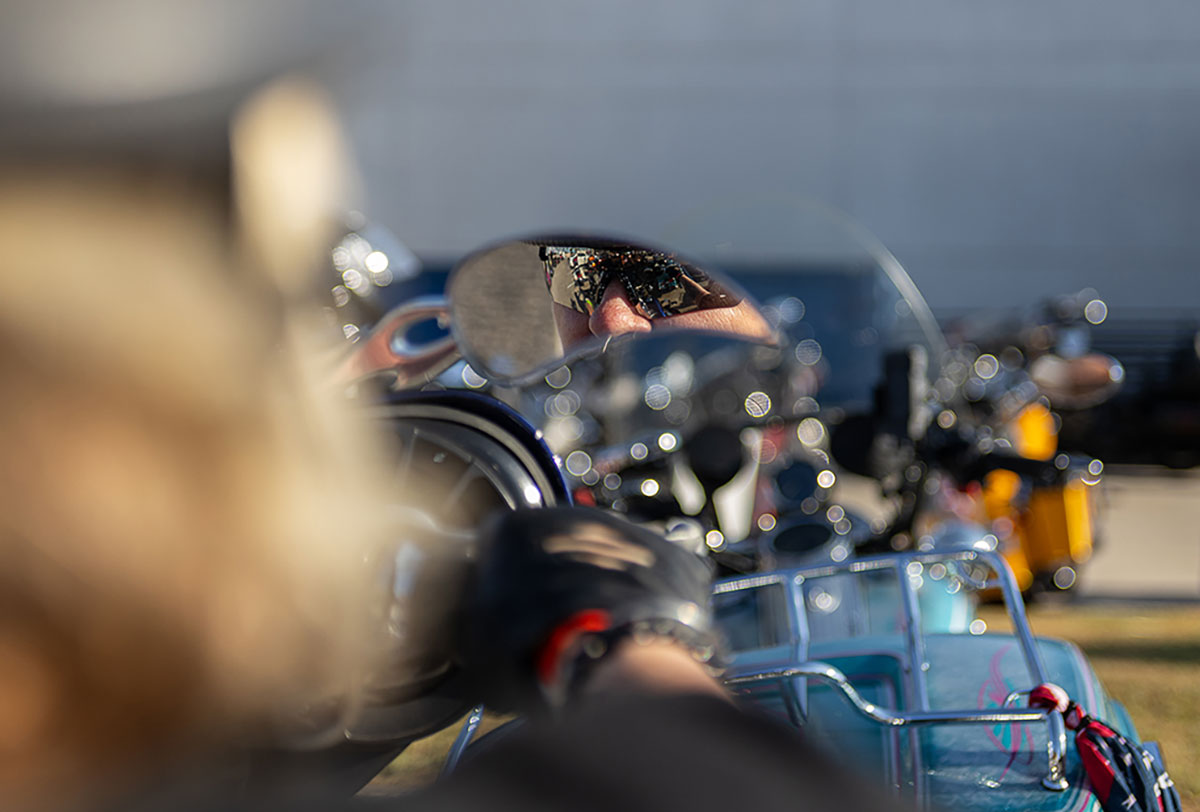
618 314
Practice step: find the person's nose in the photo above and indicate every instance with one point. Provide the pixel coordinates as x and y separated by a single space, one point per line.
616 314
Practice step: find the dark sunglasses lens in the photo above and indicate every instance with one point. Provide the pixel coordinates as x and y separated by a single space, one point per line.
657 283
663 286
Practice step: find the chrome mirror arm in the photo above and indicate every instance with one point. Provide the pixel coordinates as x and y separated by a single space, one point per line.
386 349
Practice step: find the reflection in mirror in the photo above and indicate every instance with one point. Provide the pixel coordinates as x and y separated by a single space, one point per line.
524 306
673 382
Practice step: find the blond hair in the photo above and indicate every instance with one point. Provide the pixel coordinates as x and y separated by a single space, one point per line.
185 508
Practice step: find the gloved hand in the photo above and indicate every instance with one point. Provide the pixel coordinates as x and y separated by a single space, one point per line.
556 586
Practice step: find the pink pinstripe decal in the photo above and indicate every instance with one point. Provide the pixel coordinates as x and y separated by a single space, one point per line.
1015 739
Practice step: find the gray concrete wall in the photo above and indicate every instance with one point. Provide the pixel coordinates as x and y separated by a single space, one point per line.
1004 151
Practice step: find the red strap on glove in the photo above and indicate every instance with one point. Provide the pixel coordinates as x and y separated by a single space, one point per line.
550 657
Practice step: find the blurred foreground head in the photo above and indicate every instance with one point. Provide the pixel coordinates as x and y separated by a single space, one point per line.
184 506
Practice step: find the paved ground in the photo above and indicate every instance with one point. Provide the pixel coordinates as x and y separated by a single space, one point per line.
1151 537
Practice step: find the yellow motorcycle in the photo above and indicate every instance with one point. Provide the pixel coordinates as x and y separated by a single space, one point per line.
1046 530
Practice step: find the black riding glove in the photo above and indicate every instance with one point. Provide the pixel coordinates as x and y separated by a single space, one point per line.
555 587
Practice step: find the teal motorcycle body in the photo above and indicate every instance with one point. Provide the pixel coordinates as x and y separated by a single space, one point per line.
926 707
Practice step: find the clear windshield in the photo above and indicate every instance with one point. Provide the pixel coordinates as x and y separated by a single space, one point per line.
843 298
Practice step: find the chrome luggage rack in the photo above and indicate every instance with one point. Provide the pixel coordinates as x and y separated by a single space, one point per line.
914 662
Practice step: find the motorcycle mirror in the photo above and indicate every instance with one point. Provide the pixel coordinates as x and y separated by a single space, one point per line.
522 307
1077 383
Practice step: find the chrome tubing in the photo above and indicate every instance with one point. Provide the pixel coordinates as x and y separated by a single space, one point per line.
917 662
1056 748
1055 778
886 716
